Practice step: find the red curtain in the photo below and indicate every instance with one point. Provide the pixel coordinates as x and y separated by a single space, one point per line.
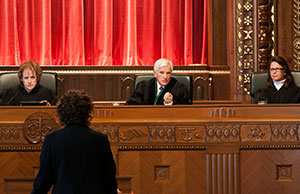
103 32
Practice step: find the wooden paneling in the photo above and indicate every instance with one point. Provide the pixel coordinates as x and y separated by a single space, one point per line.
284 29
217 20
164 171
109 87
17 164
270 171
116 83
205 148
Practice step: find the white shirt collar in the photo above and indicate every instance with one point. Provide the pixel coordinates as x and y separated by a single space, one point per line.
278 84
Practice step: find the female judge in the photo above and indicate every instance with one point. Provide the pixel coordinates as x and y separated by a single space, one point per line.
29 88
281 87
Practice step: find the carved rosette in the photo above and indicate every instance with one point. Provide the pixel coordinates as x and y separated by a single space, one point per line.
38 125
284 172
296 32
256 133
162 173
224 133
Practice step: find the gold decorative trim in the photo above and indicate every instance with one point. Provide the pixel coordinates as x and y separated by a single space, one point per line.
240 43
245 44
160 147
18 148
286 146
156 147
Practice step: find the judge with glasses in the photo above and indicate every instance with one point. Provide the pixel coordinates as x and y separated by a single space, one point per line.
281 87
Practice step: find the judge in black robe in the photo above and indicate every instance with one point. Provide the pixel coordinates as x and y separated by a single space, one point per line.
14 95
281 87
145 94
271 95
29 89
161 90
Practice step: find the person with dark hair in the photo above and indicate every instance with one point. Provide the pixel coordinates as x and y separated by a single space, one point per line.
160 90
76 159
281 87
29 88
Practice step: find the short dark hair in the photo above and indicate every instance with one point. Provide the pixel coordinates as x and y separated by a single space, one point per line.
289 80
33 66
75 107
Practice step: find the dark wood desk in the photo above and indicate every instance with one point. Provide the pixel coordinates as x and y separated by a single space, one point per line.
204 148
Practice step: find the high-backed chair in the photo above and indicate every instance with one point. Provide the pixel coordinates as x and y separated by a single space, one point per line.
259 80
187 80
10 79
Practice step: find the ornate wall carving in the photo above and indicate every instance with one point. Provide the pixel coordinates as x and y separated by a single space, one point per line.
265 32
254 40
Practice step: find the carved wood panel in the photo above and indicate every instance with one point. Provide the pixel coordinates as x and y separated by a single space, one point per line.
272 171
164 172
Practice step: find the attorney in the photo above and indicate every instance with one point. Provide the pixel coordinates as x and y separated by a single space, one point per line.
161 90
29 88
76 159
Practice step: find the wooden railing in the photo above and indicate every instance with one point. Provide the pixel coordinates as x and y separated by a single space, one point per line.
203 148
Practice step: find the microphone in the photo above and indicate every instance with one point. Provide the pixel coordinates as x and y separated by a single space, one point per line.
10 100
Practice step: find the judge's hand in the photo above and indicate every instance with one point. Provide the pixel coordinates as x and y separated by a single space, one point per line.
48 103
168 98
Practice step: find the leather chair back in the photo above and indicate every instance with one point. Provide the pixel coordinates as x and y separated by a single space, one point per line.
259 80
187 80
10 79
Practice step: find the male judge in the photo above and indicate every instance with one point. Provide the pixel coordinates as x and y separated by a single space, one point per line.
160 90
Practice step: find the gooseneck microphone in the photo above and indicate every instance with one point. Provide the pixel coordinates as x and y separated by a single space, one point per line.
12 98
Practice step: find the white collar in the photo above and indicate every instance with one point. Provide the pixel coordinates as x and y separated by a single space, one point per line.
278 84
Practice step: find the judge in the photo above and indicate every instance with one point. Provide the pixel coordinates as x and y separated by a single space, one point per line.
29 88
281 86
160 90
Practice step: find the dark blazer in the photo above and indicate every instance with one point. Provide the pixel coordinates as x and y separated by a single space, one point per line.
270 94
145 93
13 96
76 160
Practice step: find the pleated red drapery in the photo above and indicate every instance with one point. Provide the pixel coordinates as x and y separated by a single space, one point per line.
103 32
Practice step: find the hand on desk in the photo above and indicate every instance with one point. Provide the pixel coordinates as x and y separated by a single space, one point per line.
48 104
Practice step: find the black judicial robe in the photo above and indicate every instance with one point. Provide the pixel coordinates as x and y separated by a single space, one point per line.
270 94
76 159
13 96
145 93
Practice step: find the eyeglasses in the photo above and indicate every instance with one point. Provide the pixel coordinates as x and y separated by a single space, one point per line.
276 69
